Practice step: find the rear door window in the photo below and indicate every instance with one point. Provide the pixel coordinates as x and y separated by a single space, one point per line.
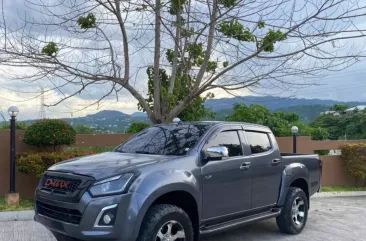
259 142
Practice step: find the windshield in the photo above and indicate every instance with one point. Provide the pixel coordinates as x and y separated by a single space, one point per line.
165 140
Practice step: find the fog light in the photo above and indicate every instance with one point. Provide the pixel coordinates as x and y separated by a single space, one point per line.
107 219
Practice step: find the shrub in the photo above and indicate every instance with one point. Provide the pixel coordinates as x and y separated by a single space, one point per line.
49 133
93 149
137 127
38 162
354 157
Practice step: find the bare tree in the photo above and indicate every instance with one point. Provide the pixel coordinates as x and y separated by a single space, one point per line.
216 44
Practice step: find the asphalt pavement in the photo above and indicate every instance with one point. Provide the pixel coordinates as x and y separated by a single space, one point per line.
330 218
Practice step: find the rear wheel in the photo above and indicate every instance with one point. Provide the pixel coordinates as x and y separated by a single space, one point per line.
294 213
165 222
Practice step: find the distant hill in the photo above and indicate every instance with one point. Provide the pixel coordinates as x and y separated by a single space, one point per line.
138 114
112 121
108 114
108 121
272 103
307 113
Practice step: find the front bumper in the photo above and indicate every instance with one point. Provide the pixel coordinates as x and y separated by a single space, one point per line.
125 222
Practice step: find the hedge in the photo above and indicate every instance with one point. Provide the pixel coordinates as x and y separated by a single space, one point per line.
49 133
354 157
38 162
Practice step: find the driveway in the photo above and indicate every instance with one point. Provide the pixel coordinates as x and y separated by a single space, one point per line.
333 219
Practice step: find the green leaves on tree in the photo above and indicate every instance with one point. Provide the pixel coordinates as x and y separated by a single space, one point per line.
211 66
136 127
170 55
261 24
279 122
186 33
50 49
227 3
87 22
194 111
270 39
225 64
234 29
176 6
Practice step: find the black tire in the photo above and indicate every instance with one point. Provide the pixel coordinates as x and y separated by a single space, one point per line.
286 222
158 216
61 237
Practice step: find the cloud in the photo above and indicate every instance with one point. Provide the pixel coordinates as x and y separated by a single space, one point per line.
339 85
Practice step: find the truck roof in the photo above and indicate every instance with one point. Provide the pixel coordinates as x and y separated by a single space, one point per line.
246 126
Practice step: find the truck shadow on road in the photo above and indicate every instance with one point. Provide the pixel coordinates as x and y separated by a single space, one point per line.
266 230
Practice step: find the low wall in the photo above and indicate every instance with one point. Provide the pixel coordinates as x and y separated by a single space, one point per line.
333 169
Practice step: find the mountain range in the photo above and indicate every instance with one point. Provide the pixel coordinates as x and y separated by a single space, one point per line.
272 103
112 121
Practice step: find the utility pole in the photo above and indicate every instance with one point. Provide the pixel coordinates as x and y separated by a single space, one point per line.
72 119
42 112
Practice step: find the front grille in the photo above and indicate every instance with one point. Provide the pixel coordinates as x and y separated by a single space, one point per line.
59 184
62 214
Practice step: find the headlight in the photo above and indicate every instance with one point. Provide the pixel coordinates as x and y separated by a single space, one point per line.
113 185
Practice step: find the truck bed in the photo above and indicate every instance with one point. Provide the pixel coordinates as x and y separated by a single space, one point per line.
312 162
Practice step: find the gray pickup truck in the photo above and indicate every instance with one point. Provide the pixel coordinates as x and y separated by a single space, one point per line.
176 182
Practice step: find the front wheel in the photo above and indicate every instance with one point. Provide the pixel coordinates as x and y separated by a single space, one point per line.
294 213
165 222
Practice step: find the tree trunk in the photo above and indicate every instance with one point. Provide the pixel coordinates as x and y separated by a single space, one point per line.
157 104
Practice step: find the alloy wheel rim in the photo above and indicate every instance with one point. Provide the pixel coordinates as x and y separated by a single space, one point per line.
171 231
298 211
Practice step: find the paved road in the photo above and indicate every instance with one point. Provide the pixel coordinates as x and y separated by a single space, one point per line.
333 219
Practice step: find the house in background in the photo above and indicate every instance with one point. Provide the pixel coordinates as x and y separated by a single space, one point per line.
330 112
352 110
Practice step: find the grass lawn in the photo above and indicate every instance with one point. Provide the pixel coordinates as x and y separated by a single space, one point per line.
25 204
342 189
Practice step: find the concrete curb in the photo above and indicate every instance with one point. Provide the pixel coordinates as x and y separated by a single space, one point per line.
339 194
17 216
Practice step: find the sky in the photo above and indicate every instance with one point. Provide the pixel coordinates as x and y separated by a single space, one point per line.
346 85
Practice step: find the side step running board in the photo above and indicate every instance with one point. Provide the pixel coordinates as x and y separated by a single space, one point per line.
239 222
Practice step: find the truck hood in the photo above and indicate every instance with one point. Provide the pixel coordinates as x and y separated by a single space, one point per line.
107 164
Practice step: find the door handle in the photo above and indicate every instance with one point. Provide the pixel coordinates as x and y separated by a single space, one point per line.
276 162
245 166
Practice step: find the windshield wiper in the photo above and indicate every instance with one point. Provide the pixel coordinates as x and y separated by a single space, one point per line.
120 151
144 152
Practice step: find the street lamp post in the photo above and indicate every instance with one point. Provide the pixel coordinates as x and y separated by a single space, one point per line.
12 197
294 131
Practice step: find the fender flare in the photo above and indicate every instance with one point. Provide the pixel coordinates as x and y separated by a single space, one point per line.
182 182
292 173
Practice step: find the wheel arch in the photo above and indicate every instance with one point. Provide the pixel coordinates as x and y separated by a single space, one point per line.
294 175
182 197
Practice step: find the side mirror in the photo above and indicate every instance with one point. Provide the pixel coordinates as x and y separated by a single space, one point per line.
217 152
